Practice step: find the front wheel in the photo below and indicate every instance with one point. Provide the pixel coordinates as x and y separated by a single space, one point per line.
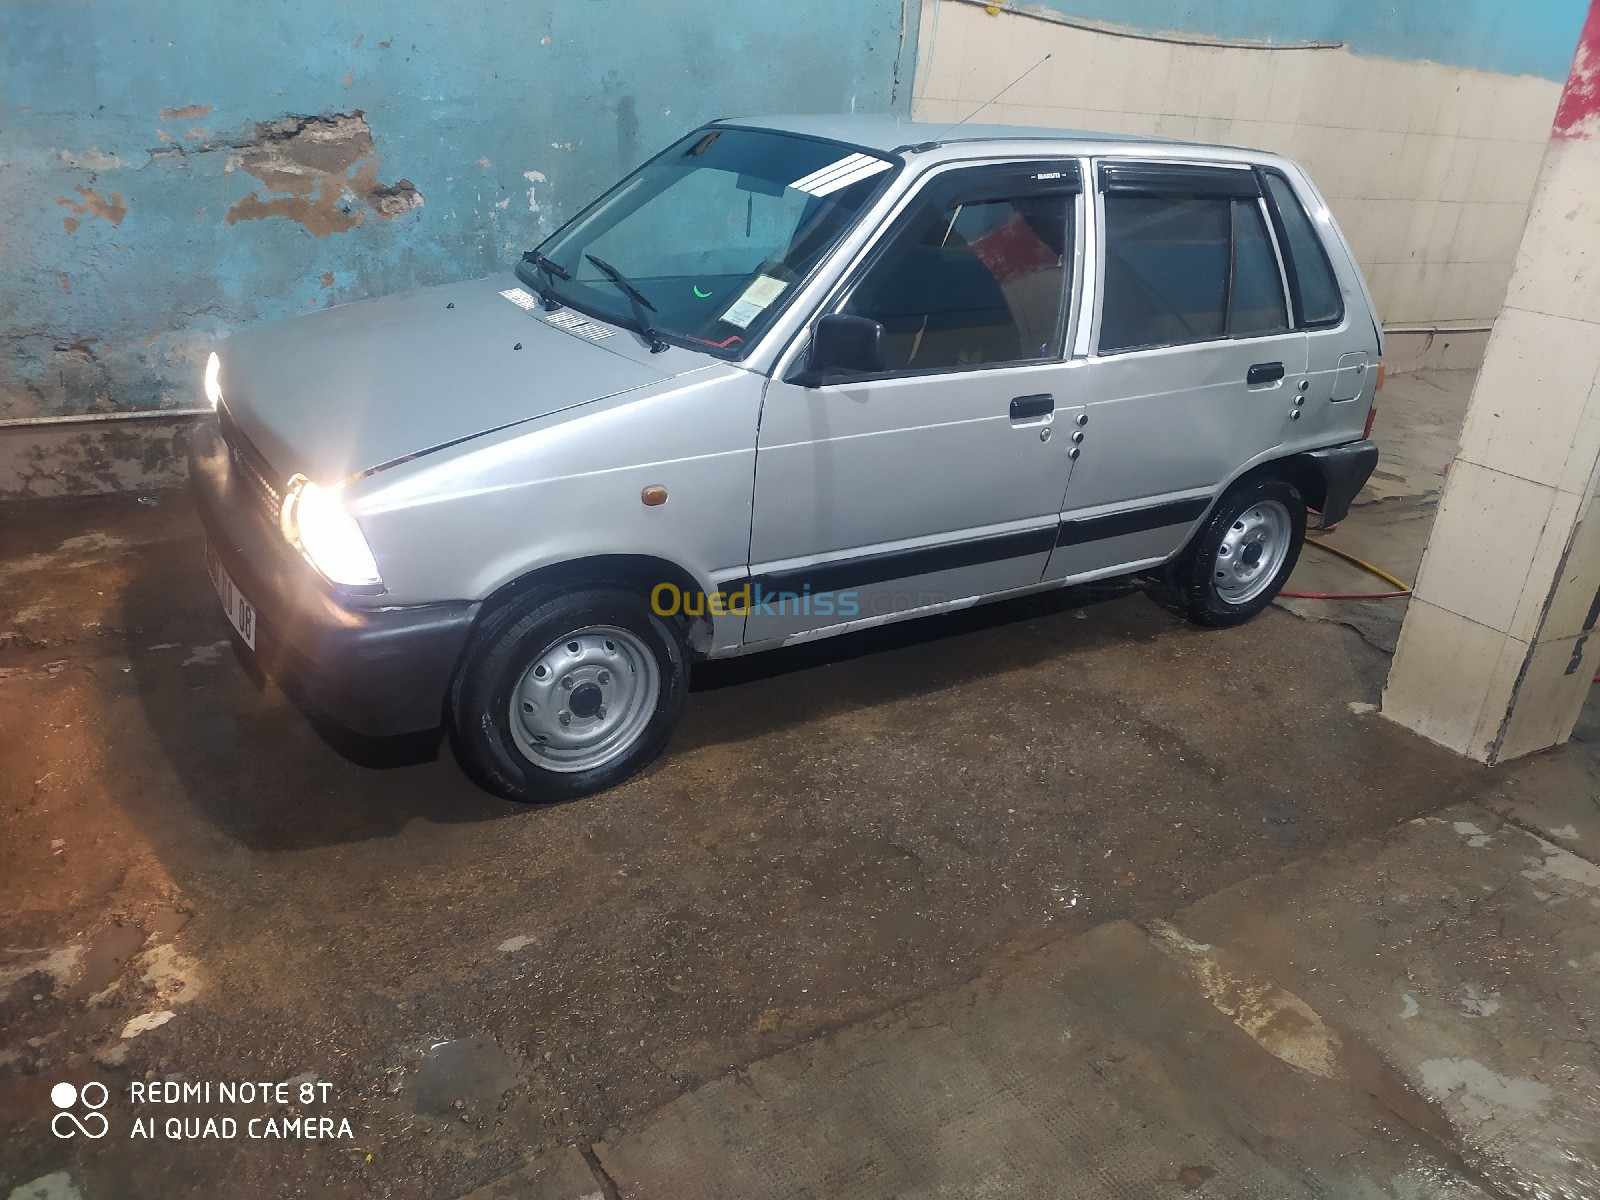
1240 558
566 694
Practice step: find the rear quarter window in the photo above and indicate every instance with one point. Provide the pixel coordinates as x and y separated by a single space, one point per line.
1311 277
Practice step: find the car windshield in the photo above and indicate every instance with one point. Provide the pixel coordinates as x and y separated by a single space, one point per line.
705 244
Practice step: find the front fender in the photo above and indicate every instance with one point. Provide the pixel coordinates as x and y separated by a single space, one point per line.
465 523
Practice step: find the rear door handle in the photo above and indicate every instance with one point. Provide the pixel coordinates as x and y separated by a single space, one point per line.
1023 407
1264 373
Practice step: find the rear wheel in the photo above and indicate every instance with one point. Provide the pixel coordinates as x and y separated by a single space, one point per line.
1240 558
566 694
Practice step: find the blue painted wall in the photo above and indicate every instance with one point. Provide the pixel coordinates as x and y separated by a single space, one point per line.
150 201
1512 37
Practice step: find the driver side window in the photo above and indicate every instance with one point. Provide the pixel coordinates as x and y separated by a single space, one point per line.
971 284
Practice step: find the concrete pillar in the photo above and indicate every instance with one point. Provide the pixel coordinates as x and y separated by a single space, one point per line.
1500 641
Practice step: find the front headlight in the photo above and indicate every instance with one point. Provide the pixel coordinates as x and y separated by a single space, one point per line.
314 519
213 379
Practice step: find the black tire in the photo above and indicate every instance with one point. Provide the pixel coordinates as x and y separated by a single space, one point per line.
516 641
1196 585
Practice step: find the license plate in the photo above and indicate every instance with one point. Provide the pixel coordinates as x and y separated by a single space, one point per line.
241 613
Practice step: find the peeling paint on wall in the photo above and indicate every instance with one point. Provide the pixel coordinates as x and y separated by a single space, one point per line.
319 171
534 178
92 160
189 112
185 168
95 205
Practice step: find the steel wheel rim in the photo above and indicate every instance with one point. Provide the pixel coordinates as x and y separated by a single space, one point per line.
584 699
1252 552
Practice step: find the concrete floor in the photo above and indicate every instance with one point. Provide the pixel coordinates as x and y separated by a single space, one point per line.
827 946
1419 421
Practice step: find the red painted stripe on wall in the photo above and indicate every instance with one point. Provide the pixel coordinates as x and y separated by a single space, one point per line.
1578 114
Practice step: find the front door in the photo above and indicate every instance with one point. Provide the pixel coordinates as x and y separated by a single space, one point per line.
940 479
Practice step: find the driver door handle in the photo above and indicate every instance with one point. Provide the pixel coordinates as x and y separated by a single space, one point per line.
1023 407
1264 373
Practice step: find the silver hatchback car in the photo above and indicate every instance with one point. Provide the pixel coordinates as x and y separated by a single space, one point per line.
791 378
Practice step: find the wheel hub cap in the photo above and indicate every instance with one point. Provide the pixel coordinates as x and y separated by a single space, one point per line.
1252 551
584 699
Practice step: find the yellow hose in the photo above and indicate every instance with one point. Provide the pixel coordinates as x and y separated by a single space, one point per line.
1360 562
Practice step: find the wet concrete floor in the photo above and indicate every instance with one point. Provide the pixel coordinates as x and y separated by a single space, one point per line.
198 887
1405 1016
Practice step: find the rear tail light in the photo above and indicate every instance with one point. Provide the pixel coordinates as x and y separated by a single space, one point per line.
1372 412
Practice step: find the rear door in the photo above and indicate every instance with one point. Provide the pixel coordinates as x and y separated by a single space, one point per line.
1341 341
1192 370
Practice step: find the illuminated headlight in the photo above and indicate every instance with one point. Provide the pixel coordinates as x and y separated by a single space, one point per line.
214 379
314 519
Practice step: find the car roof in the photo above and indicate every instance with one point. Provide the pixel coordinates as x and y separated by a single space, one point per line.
889 134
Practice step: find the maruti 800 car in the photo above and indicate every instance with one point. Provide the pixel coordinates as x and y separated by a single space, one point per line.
791 378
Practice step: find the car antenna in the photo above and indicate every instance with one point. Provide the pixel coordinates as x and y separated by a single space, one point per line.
994 97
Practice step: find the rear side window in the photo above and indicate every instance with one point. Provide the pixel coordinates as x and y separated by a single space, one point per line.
1187 269
1311 278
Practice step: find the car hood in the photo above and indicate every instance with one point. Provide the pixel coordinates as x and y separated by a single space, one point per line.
353 388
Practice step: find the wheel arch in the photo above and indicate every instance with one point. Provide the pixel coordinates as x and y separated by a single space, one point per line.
1303 472
640 572
1300 470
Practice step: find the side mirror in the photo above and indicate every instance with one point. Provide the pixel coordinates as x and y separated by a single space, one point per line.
842 344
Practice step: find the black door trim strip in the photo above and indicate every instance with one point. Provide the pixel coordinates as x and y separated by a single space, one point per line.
1132 520
902 564
925 560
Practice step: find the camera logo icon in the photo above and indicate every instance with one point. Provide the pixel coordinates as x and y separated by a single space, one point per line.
66 1123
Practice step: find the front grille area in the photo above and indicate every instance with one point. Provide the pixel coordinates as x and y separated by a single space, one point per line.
251 471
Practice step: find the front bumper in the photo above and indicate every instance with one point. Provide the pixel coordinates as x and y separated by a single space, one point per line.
378 671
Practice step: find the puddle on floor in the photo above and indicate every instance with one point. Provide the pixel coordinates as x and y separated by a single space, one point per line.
106 957
109 954
164 923
472 1069
1283 821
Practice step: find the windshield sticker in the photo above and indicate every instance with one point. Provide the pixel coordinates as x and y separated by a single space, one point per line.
852 168
520 298
757 298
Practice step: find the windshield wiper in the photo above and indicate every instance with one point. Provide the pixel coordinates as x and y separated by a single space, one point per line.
551 271
636 301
